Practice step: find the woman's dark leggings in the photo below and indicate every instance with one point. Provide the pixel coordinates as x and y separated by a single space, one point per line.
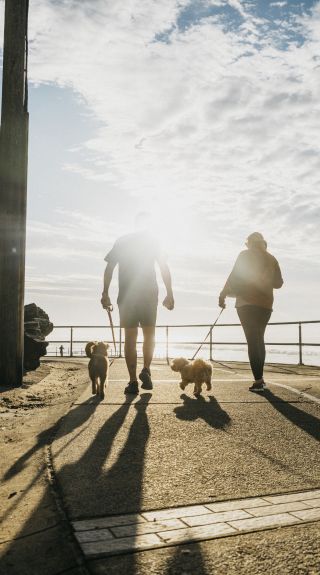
254 320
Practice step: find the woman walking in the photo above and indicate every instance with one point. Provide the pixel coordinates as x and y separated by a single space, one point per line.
254 276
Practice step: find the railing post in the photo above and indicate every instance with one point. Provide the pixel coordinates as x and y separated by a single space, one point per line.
300 344
211 358
71 341
120 342
167 344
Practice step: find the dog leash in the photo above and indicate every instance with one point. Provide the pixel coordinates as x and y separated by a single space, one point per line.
109 310
210 330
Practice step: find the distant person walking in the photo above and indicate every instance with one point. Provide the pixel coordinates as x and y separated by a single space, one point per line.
61 349
254 276
136 255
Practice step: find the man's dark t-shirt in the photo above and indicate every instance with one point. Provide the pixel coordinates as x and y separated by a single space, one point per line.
136 255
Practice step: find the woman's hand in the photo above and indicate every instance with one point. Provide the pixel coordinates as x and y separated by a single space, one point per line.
222 301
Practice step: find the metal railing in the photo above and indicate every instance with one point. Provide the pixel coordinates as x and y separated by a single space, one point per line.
167 340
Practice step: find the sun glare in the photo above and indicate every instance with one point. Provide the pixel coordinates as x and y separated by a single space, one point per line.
171 228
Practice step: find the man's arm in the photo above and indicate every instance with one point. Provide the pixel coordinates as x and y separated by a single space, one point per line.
108 273
168 301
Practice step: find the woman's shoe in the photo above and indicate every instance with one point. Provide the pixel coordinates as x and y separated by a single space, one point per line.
258 386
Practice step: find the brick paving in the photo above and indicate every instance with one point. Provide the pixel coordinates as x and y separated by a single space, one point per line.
155 529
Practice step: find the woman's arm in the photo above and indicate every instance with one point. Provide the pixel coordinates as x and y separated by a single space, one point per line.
277 277
229 289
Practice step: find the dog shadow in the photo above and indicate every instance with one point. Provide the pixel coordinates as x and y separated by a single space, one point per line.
210 411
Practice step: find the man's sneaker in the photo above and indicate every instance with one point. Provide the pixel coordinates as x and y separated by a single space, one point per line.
258 386
145 377
132 387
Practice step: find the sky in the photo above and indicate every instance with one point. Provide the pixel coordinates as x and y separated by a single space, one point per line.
205 113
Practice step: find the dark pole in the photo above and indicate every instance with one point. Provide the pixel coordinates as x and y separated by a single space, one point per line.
13 190
300 344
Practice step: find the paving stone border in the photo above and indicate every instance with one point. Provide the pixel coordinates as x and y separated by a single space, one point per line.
117 534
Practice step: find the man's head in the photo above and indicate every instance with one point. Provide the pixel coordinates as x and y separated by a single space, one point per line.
257 241
143 222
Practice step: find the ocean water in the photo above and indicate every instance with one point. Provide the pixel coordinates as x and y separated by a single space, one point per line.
227 342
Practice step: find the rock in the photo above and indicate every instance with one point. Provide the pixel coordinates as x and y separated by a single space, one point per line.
36 327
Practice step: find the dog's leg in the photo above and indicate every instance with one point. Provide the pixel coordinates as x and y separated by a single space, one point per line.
183 384
102 383
197 389
94 386
208 384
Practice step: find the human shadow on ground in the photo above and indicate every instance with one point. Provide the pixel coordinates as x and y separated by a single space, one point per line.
110 487
123 485
307 422
186 559
80 414
108 493
210 411
118 490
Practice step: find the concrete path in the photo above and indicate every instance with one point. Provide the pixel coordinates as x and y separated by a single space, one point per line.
165 457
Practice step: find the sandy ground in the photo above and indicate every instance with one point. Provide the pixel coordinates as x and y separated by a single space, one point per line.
29 416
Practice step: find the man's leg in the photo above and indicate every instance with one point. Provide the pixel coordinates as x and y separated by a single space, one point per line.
130 351
148 345
148 318
148 349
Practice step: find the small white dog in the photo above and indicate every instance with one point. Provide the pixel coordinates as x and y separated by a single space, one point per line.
98 365
197 372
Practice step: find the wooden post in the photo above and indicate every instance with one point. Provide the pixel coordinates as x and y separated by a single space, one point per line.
13 191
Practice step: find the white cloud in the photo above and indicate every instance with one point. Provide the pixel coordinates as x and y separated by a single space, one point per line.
206 115
214 126
237 5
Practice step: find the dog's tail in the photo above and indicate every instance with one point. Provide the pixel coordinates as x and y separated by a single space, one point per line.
88 348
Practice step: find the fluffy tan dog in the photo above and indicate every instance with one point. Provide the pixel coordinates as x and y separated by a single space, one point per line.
98 365
197 372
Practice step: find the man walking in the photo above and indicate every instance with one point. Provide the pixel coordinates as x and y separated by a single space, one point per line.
136 255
